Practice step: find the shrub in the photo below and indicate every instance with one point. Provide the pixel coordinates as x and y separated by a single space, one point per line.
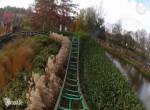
82 35
15 57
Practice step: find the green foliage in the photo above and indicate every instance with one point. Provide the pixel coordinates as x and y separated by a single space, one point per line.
102 84
44 48
25 24
16 90
82 35
90 20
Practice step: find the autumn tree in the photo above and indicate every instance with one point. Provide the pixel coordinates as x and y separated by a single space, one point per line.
51 14
79 24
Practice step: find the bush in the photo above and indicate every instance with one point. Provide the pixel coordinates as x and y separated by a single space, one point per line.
82 35
15 57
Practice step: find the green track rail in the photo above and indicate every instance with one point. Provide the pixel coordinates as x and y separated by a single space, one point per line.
70 97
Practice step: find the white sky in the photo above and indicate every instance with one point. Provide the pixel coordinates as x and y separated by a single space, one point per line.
133 14
17 3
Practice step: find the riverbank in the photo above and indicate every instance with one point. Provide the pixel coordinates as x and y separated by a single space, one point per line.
102 84
126 59
139 83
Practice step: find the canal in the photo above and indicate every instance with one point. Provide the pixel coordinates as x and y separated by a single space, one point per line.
140 83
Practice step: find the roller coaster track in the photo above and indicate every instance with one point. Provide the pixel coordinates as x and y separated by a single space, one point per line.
70 97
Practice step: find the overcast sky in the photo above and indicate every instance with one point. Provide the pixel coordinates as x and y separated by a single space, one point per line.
134 14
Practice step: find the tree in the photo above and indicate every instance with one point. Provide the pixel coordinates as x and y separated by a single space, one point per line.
140 36
91 21
148 46
50 14
79 22
1 14
95 23
10 18
141 41
117 28
129 42
25 24
66 9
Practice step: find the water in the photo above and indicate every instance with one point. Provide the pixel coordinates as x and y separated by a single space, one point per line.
139 83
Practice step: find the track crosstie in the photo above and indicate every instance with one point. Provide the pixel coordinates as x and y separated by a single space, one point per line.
70 97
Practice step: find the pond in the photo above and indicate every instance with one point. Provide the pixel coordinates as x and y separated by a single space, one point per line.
140 83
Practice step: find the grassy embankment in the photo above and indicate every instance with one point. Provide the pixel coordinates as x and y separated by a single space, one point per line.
22 57
126 57
102 84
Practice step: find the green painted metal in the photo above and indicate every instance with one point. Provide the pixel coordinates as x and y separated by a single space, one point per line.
71 97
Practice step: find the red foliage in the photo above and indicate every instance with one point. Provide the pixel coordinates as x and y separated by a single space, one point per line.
8 17
50 14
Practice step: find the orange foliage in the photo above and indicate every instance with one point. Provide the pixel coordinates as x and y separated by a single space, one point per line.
15 57
78 26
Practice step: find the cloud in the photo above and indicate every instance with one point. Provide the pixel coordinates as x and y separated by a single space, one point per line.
133 15
130 13
17 3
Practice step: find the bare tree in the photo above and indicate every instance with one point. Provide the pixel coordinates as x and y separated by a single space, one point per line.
94 21
141 38
148 46
117 28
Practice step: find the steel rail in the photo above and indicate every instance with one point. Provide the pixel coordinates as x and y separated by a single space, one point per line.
70 96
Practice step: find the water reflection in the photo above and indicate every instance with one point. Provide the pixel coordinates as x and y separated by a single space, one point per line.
140 83
145 94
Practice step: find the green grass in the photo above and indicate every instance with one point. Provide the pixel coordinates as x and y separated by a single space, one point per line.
102 84
18 87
